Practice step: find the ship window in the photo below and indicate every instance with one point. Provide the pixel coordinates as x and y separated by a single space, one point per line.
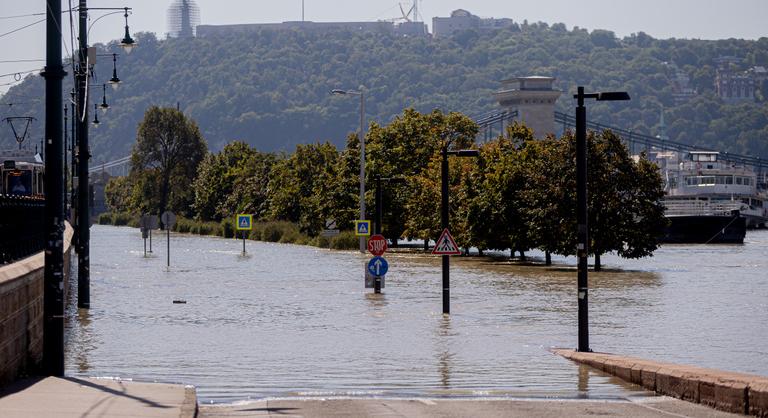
738 180
729 180
747 181
707 181
720 179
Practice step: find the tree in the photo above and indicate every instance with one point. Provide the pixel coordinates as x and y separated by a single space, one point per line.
168 150
405 148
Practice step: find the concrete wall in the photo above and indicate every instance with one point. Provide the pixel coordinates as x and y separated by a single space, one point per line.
727 391
21 313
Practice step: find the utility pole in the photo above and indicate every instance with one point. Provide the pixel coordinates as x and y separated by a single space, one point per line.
53 283
444 226
83 155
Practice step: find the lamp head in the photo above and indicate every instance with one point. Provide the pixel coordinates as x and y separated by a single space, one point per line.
612 96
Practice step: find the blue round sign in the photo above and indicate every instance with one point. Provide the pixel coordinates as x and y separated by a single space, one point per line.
378 266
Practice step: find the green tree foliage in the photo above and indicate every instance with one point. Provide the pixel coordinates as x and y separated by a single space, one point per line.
300 185
270 88
404 148
233 181
164 162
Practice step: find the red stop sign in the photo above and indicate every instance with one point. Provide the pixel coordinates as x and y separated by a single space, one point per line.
377 244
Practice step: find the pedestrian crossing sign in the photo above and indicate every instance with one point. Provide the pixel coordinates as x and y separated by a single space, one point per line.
362 228
445 245
244 222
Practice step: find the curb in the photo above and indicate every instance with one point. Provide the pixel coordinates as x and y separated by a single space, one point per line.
727 391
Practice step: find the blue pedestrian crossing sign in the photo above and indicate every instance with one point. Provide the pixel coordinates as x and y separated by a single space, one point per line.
362 228
244 222
378 266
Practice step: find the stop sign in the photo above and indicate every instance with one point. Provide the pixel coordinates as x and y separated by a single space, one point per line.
377 244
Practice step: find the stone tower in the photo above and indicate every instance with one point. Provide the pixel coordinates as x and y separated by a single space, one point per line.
534 99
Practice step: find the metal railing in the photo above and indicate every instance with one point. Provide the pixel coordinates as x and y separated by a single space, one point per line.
701 207
22 230
634 138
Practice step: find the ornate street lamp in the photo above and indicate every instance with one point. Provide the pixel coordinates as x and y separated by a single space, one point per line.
114 81
95 116
104 106
127 43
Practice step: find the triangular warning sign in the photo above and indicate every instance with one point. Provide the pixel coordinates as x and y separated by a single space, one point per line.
445 245
244 222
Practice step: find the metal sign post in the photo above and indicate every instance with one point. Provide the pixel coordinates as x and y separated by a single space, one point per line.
169 219
244 223
377 245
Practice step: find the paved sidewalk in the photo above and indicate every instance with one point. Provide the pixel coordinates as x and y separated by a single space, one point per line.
71 397
646 407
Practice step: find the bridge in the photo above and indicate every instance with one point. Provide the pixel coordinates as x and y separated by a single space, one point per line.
492 123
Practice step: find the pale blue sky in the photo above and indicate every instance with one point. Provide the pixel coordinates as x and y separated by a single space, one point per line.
705 19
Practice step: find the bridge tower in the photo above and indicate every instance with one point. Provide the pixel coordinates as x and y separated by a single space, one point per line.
534 99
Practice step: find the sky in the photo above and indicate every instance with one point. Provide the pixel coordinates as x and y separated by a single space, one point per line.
702 19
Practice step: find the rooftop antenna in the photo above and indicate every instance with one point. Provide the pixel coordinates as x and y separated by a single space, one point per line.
415 10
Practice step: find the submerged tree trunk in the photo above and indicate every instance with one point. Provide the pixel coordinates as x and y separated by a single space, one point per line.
480 252
522 255
426 244
548 258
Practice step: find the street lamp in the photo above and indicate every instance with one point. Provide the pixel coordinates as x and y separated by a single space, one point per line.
127 43
444 216
95 116
362 151
83 148
114 81
104 106
582 238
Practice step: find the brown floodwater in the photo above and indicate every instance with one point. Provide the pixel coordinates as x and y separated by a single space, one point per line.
294 321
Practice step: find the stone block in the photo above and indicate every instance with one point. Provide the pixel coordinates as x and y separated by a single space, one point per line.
678 383
758 399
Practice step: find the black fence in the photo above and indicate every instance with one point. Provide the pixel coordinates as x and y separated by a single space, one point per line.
22 230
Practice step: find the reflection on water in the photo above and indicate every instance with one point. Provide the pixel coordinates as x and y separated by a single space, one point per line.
291 320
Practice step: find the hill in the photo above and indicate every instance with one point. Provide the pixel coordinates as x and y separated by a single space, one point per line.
271 89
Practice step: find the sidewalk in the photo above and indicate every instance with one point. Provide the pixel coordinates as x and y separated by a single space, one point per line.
71 397
646 407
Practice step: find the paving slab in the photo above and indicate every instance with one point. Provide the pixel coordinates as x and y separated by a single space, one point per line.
646 407
71 397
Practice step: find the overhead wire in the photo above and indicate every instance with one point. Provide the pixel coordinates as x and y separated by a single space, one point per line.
21 28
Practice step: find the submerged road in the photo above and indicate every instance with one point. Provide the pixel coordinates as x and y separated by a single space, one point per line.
292 321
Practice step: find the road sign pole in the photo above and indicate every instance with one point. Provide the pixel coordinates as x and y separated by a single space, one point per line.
243 242
150 240
145 248
444 224
168 252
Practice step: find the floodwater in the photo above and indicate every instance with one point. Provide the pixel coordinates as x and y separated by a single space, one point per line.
294 321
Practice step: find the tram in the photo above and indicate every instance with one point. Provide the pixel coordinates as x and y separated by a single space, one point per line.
22 174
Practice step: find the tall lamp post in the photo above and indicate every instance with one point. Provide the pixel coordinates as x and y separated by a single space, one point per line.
444 217
83 148
360 93
582 238
53 282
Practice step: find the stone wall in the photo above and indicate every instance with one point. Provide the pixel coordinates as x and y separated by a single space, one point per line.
727 391
21 313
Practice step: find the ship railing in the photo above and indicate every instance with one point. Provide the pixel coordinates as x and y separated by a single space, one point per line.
700 207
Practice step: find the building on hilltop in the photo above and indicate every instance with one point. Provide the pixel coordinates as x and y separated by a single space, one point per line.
733 85
682 91
183 19
370 27
461 20
534 100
